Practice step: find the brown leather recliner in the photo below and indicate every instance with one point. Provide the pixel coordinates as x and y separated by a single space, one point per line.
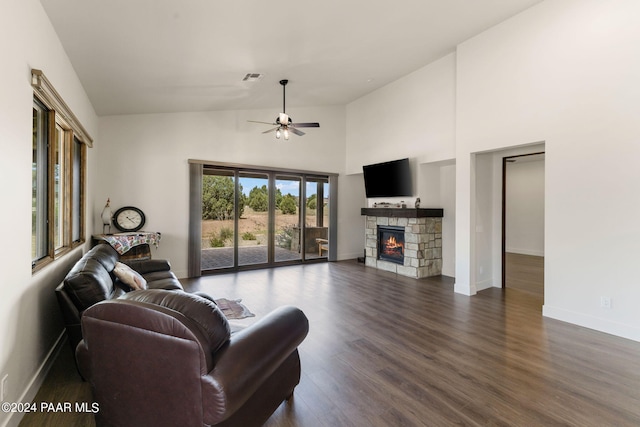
162 358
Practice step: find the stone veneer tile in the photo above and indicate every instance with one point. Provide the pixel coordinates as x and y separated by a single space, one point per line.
411 238
410 253
407 271
387 266
382 220
411 246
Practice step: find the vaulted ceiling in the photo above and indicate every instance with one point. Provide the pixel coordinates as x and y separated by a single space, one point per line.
148 56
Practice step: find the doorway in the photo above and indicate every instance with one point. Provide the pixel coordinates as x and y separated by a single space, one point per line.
253 218
523 223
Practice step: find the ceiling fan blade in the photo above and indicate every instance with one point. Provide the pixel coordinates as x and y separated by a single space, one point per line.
271 130
306 125
264 123
296 131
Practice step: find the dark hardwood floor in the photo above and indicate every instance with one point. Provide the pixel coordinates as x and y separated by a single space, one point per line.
385 350
525 273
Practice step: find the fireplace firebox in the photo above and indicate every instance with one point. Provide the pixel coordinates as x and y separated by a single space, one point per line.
391 244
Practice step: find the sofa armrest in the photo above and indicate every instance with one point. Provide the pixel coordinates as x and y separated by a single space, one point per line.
144 266
254 353
70 316
70 313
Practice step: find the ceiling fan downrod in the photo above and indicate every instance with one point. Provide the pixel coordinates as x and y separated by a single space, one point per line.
284 84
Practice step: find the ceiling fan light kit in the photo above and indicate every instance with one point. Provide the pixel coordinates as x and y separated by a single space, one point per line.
283 122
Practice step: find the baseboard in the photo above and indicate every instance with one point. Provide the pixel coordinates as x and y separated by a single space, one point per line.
464 289
484 284
181 274
38 378
531 252
591 322
348 256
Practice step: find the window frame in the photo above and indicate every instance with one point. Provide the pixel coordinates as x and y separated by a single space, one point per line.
61 188
198 168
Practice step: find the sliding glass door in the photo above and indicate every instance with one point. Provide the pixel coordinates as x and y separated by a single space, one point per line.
254 218
316 218
253 221
218 219
287 212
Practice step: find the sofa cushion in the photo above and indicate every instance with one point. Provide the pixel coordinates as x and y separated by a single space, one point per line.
105 255
205 313
88 283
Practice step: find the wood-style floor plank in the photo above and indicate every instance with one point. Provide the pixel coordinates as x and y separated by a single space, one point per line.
386 350
525 272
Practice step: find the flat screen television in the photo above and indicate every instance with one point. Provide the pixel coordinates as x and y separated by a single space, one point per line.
388 179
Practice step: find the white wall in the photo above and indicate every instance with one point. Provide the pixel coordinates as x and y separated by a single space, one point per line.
436 188
564 72
143 162
29 315
485 226
411 117
524 202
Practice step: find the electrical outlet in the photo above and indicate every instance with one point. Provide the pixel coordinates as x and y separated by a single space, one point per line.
605 302
4 388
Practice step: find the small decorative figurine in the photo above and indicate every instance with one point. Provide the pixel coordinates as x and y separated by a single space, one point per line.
418 203
106 218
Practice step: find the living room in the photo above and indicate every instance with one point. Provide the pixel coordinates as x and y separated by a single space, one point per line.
561 75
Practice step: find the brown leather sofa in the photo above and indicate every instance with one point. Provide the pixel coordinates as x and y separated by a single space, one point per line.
160 358
92 280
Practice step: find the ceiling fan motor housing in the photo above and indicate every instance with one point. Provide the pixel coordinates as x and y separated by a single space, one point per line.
283 117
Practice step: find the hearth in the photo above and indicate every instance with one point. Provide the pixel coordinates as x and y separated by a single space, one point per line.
391 244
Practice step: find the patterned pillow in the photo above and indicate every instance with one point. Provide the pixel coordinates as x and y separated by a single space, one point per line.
129 276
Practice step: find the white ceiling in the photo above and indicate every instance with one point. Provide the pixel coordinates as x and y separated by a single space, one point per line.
148 56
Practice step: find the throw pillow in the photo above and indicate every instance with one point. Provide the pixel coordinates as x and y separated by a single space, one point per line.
129 276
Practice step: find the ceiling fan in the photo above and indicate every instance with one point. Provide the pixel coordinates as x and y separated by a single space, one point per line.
283 122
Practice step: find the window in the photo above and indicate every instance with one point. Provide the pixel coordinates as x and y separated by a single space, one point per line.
58 171
39 187
77 192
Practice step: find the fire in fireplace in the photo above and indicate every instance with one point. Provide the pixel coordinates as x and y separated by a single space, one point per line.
391 244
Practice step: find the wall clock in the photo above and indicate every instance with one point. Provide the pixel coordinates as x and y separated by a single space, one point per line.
129 218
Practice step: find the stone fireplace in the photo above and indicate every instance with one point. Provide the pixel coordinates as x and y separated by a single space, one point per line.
404 241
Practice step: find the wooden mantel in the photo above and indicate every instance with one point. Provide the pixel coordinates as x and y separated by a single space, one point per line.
403 212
